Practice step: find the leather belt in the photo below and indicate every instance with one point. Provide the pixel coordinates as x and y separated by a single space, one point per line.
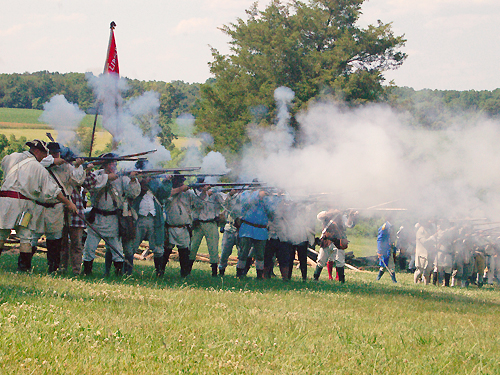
254 225
106 212
12 194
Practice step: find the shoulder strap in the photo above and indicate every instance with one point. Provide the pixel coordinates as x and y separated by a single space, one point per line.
63 189
19 165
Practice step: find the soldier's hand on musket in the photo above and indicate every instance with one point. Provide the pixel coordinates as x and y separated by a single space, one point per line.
112 176
184 187
72 207
263 193
89 167
206 189
59 161
78 162
232 192
133 175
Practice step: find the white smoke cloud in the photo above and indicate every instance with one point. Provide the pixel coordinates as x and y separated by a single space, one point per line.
370 155
133 124
63 117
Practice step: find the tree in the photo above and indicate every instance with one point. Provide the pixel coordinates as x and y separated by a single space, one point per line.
312 48
8 146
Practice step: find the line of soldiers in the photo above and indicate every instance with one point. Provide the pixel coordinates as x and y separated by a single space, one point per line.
41 195
440 252
127 210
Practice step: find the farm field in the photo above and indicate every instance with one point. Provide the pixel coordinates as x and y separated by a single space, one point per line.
24 122
70 325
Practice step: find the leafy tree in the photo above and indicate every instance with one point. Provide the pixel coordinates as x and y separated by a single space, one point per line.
312 48
10 145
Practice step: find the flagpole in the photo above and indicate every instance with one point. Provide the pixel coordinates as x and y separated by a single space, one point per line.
112 26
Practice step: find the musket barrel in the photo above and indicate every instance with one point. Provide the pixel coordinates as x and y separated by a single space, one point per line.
235 184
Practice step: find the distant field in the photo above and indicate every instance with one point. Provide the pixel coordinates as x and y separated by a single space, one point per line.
24 122
31 116
102 138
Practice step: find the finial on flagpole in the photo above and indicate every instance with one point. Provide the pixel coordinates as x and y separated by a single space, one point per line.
112 25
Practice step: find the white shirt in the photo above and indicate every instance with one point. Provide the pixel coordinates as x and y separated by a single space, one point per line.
147 205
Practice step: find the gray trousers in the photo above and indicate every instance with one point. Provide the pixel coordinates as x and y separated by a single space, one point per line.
210 231
229 240
144 229
91 245
246 243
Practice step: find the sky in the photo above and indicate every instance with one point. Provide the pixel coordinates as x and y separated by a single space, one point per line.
451 44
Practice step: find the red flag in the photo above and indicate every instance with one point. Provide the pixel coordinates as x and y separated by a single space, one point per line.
112 57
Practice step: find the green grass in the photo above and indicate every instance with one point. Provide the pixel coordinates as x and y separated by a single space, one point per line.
363 246
205 325
30 116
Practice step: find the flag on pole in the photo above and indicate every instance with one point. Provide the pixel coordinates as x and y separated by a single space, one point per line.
110 66
112 56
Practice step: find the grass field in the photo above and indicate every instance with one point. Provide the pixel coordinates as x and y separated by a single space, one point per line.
31 116
205 325
24 122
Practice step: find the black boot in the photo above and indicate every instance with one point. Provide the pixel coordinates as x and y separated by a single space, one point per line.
54 254
24 262
248 264
160 268
184 262
214 269
380 273
222 271
260 274
393 277
166 253
341 273
128 266
108 262
317 272
447 279
190 266
118 268
435 278
87 267
240 272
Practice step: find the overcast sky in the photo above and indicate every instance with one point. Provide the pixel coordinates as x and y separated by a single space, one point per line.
452 44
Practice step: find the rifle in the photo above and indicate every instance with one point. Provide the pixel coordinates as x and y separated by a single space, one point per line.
235 184
139 154
98 161
167 171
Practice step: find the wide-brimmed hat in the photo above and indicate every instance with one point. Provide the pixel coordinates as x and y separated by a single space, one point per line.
54 147
36 143
178 180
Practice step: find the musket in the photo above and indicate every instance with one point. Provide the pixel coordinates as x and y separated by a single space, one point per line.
96 159
170 171
494 222
167 173
377 209
139 154
235 184
245 188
